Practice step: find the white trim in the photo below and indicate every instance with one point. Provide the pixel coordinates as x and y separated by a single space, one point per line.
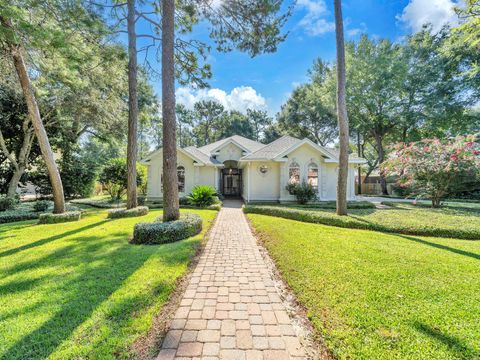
303 142
230 141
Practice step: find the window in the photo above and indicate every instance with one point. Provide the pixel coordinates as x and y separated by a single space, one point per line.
181 178
294 173
312 175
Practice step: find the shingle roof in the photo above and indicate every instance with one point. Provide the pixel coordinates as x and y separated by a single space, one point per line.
208 160
248 144
273 149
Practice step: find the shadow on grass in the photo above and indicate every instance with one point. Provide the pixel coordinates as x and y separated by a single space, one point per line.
50 239
440 246
455 345
102 265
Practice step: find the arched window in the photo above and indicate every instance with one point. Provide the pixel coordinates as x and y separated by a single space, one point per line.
181 178
294 173
312 175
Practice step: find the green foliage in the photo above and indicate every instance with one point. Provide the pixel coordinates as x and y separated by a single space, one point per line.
7 203
41 205
333 205
427 222
127 286
49 218
436 169
23 211
310 110
303 192
202 196
123 213
166 232
114 177
380 296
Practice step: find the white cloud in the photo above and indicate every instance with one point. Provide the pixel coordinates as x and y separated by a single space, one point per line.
435 12
314 21
352 32
240 98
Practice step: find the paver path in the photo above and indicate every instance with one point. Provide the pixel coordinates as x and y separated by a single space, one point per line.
231 308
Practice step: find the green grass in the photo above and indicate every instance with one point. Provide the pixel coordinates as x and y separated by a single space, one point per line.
456 221
80 290
372 295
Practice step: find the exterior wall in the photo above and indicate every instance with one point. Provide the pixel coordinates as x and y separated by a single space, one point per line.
154 186
264 187
327 174
229 152
245 185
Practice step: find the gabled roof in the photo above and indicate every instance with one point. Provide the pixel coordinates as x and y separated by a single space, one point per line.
244 143
273 149
207 160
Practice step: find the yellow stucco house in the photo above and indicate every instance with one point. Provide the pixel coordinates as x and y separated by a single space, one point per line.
240 167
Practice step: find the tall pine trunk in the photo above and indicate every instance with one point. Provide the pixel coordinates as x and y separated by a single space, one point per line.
170 182
132 109
16 52
381 159
359 153
341 113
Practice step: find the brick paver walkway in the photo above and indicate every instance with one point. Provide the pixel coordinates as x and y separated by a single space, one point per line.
231 309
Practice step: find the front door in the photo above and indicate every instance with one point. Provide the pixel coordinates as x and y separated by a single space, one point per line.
232 182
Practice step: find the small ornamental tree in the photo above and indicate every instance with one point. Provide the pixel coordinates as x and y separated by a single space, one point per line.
435 168
114 177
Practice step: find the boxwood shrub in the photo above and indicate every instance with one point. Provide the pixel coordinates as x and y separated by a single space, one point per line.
17 215
49 218
123 213
330 218
158 232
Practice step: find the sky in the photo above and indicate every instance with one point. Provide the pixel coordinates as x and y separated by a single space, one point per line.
266 81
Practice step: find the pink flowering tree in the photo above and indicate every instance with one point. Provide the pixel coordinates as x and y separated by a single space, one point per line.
433 168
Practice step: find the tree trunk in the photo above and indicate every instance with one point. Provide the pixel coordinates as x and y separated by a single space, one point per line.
34 113
132 109
341 113
13 184
359 153
381 159
170 182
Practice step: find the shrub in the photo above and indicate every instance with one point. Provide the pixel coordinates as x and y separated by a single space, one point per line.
141 200
7 203
165 232
333 205
123 213
114 177
183 200
49 218
303 192
353 222
436 169
17 215
202 196
41 205
78 176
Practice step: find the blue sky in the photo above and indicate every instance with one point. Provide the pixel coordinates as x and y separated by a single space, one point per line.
266 81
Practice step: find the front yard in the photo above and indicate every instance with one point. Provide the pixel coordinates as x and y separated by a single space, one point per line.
79 290
456 220
372 295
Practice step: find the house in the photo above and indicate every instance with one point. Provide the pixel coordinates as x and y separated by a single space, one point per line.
240 167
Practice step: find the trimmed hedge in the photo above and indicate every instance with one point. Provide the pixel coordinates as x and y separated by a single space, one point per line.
101 204
49 218
330 218
124 213
166 232
333 205
20 215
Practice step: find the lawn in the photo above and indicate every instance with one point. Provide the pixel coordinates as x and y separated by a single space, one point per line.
459 220
80 290
372 295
